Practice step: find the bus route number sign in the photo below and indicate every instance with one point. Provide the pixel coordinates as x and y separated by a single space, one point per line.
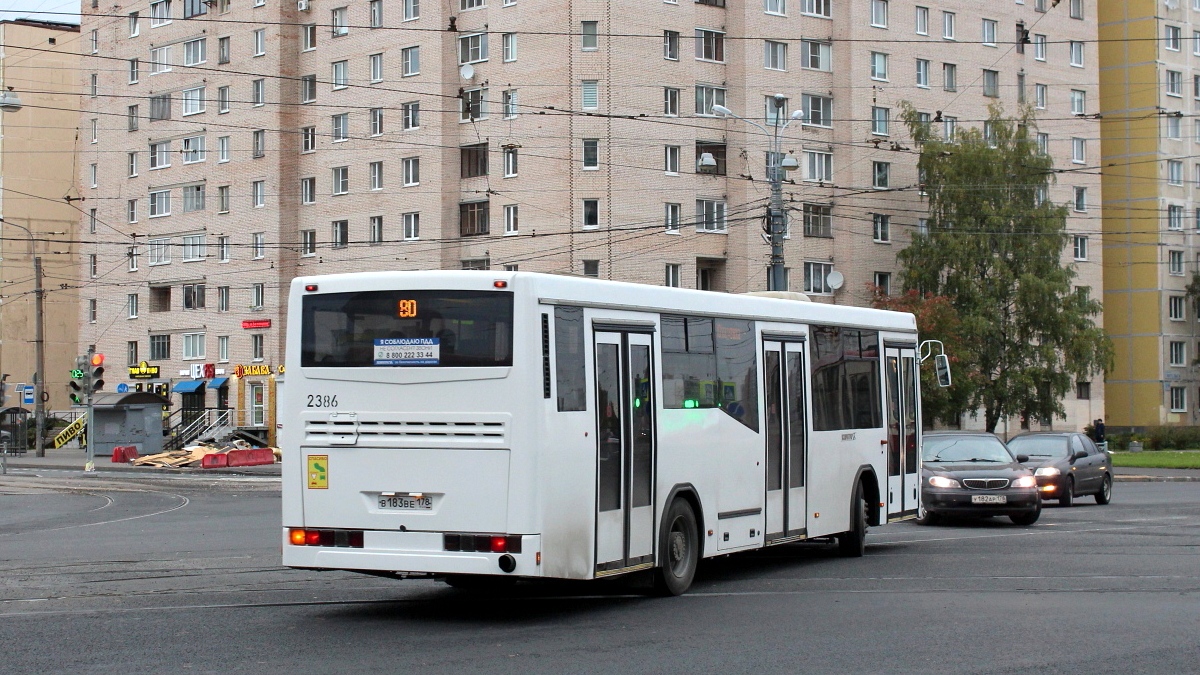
407 351
406 309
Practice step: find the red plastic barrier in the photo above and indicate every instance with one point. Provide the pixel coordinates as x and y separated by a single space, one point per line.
123 454
251 457
217 460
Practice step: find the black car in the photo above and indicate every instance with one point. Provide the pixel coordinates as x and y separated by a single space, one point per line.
1067 465
974 474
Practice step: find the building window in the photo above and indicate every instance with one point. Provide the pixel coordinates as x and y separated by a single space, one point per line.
131 214
341 234
1175 263
412 226
816 278
591 268
258 245
160 347
308 37
260 42
671 45
258 140
671 160
1174 129
1076 9
412 9
256 339
1174 172
923 73
223 249
922 21
473 160
818 166
716 153
339 22
1080 199
93 266
511 216
134 26
1080 247
818 220
193 346
131 353
222 100
879 121
308 243
671 217
774 55
948 25
1174 83
193 101
710 215
195 52
341 127
1039 96
1171 38
823 8
815 55
879 66
375 174
879 13
160 203
160 13
672 275
818 110
222 298
988 33
591 213
1078 102
1078 151
412 115
510 162
193 198
949 77
410 63
590 94
472 218
710 45
375 11
881 174
591 153
589 36
991 83
883 283
882 228
258 296
193 296
1083 390
473 48
1175 310
670 102
1076 54
508 103
707 97
1178 399
473 105
223 199
376 118
223 348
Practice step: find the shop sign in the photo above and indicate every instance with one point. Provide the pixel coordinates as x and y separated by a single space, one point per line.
256 323
254 369
143 371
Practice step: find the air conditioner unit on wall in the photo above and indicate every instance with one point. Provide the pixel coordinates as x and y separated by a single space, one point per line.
302 5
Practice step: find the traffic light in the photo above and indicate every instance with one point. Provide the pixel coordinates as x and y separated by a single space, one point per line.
3 389
97 375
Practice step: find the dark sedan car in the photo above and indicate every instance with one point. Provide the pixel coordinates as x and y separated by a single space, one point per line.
974 474
1067 465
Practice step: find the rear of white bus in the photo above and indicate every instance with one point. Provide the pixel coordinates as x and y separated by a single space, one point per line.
399 426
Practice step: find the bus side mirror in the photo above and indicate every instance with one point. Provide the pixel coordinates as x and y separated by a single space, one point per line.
941 364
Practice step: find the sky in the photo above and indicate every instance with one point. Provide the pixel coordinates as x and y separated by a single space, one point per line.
34 9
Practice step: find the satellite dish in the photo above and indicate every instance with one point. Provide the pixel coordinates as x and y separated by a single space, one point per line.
835 280
467 71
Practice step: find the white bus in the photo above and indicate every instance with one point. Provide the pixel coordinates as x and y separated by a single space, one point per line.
483 425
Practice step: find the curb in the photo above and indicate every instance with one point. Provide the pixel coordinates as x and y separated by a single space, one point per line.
1156 479
147 471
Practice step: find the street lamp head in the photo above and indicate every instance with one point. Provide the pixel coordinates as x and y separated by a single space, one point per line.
789 163
722 110
707 161
9 101
797 114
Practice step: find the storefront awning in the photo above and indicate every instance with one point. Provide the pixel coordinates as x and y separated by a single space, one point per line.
188 386
218 382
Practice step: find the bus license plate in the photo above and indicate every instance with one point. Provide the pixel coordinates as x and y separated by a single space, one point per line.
399 503
989 499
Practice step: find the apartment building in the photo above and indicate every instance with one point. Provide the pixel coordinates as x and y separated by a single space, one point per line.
1150 94
39 64
248 141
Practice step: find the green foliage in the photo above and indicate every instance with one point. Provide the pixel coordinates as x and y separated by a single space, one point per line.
936 320
1158 460
995 248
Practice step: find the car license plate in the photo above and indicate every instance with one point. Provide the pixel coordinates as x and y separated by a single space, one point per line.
989 499
406 503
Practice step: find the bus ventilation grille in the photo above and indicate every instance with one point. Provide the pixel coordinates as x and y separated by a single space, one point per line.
411 429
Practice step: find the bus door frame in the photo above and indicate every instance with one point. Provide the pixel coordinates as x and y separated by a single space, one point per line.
786 507
903 429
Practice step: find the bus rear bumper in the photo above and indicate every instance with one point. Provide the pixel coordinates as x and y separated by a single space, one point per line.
413 552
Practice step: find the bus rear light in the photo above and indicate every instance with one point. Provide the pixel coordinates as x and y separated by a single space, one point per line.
310 287
500 284
328 538
483 543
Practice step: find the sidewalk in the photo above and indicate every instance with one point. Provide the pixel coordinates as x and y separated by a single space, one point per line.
1137 475
69 459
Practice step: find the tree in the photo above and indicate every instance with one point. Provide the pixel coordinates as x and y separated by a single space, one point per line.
995 247
937 320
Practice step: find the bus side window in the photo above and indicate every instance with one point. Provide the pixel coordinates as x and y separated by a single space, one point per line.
569 367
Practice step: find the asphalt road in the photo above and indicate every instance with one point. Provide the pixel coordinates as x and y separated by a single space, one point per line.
109 574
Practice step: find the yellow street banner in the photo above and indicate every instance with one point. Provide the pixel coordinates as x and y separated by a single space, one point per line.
318 472
70 432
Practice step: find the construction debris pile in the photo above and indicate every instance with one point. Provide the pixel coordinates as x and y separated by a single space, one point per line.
236 454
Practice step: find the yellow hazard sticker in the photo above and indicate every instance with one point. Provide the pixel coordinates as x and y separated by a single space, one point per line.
318 472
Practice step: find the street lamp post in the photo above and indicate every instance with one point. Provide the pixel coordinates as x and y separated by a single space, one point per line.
777 164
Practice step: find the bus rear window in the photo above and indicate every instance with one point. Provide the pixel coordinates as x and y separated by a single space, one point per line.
407 329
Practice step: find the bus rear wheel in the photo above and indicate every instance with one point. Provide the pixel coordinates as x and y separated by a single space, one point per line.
679 550
853 544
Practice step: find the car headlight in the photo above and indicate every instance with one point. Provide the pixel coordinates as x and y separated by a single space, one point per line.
942 482
1025 482
1046 471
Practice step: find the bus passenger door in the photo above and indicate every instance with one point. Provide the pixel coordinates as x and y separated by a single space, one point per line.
904 476
786 439
625 441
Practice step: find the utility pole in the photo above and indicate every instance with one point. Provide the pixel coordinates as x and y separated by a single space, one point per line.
90 464
777 164
39 377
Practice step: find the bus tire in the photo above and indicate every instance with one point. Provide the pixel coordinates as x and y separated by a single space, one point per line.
679 549
853 544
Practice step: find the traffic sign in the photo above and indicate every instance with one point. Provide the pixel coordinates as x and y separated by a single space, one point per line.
122 388
27 395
